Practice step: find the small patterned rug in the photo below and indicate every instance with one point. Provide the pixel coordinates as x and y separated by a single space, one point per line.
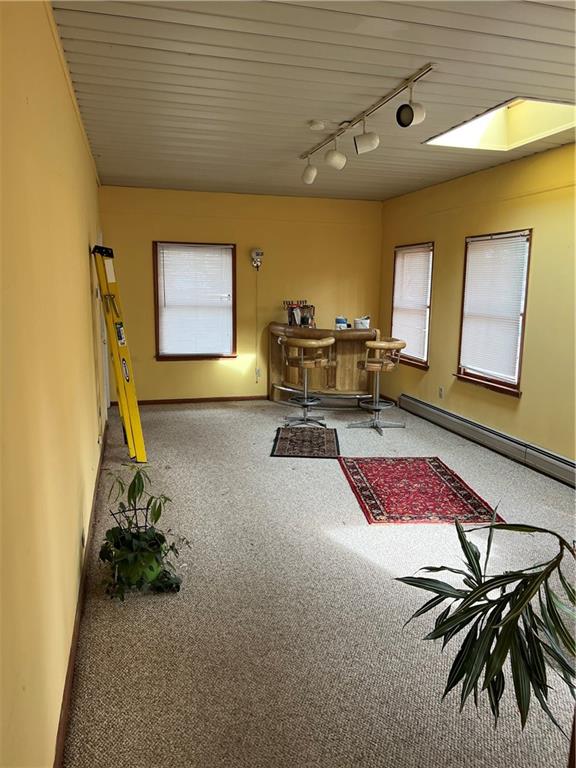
306 443
413 490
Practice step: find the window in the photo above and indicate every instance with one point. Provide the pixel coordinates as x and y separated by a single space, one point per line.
493 308
195 300
411 301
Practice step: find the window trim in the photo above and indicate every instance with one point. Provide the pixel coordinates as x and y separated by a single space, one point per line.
498 385
415 362
170 358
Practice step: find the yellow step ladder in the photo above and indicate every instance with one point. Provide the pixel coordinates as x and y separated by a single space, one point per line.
121 362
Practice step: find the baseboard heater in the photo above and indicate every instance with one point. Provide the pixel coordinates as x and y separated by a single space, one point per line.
550 464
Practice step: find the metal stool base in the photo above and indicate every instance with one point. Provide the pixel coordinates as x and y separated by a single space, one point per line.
295 421
376 406
304 401
377 424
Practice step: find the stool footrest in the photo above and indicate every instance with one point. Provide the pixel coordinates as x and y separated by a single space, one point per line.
304 402
369 405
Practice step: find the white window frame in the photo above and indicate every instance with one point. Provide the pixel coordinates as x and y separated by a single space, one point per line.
162 356
498 383
402 250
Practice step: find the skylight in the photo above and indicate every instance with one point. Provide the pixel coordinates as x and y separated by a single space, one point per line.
510 125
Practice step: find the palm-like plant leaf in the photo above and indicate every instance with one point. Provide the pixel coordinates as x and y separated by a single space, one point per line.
515 616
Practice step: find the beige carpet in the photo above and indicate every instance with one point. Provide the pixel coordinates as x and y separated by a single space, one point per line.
285 648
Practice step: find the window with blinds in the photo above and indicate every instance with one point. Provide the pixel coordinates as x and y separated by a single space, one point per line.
493 308
195 301
411 301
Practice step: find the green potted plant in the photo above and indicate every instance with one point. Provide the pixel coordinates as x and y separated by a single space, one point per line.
138 555
524 616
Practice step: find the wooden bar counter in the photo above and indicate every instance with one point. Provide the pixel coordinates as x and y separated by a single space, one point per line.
340 379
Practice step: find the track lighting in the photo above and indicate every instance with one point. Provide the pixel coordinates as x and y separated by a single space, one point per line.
309 173
366 142
335 158
410 114
406 115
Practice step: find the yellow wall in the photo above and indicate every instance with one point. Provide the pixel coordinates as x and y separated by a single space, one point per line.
536 192
49 399
326 251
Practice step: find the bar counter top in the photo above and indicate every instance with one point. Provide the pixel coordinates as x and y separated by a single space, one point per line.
340 378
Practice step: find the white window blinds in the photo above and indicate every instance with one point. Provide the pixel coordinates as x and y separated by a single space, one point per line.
494 303
195 299
411 302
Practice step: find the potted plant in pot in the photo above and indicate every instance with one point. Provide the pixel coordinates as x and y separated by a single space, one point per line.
524 616
138 554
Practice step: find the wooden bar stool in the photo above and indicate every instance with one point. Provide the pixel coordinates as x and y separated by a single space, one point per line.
310 354
381 357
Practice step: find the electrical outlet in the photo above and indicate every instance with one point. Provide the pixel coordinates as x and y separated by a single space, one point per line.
441 393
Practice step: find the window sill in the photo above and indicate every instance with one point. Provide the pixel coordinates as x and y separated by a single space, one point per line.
506 389
414 363
170 358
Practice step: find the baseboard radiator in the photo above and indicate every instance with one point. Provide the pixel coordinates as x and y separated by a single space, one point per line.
548 463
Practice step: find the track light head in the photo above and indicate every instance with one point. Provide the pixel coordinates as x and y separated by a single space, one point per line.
334 158
309 173
366 142
410 114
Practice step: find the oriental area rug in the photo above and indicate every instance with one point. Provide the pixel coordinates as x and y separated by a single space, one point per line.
413 490
306 443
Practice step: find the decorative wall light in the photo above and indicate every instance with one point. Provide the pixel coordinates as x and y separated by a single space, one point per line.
256 255
406 115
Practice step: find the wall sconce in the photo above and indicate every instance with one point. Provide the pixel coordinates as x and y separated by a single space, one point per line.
257 254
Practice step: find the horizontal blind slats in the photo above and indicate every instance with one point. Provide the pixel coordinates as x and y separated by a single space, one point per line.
494 298
410 313
195 302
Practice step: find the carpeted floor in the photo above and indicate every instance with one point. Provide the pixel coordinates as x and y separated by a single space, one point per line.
285 648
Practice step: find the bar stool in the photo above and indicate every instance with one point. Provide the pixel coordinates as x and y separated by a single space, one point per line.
381 357
310 355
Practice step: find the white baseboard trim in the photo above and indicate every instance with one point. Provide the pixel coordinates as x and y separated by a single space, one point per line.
536 458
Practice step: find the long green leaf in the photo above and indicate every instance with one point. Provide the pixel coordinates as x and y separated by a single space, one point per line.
520 528
488 586
495 691
437 568
481 653
462 658
535 654
560 663
433 585
544 704
458 620
427 607
442 616
561 606
533 584
561 630
489 544
568 588
471 553
499 654
520 676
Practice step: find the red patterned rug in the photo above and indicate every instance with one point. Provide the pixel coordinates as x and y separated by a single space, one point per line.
413 490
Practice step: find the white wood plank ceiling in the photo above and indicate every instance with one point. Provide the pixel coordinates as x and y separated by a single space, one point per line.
216 95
